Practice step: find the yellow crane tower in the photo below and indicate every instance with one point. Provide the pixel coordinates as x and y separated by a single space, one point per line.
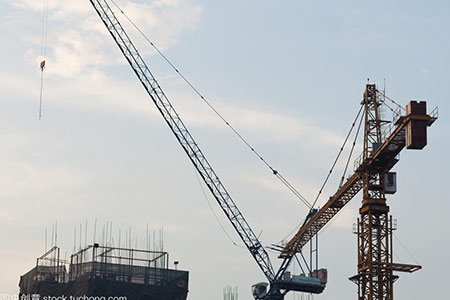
383 142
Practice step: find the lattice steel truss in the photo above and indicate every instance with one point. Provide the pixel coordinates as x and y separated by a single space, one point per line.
378 158
375 272
372 127
375 277
184 137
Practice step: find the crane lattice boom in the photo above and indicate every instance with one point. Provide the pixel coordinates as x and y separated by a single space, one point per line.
184 137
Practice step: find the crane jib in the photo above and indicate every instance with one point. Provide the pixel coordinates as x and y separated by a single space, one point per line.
184 137
382 161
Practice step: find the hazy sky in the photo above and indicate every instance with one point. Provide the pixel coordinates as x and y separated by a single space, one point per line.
288 74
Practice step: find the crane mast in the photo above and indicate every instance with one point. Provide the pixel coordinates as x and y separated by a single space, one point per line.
383 142
375 274
183 136
374 230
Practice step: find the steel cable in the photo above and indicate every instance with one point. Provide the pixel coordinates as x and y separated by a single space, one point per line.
351 152
274 171
337 157
331 170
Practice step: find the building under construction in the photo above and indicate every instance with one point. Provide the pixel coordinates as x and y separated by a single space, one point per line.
106 273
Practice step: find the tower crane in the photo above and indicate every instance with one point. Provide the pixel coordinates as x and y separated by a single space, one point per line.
379 156
278 284
383 142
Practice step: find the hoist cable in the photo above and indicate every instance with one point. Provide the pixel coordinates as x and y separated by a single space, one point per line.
43 51
274 171
205 196
40 95
46 30
337 157
43 28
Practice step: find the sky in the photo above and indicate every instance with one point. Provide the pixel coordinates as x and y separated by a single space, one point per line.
288 75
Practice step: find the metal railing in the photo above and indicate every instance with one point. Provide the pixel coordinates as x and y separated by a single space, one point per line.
122 264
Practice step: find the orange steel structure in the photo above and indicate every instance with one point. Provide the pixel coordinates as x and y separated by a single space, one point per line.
383 141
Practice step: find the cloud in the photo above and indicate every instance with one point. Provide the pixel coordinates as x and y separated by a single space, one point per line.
6 216
344 219
60 6
78 43
81 50
271 184
24 174
259 124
